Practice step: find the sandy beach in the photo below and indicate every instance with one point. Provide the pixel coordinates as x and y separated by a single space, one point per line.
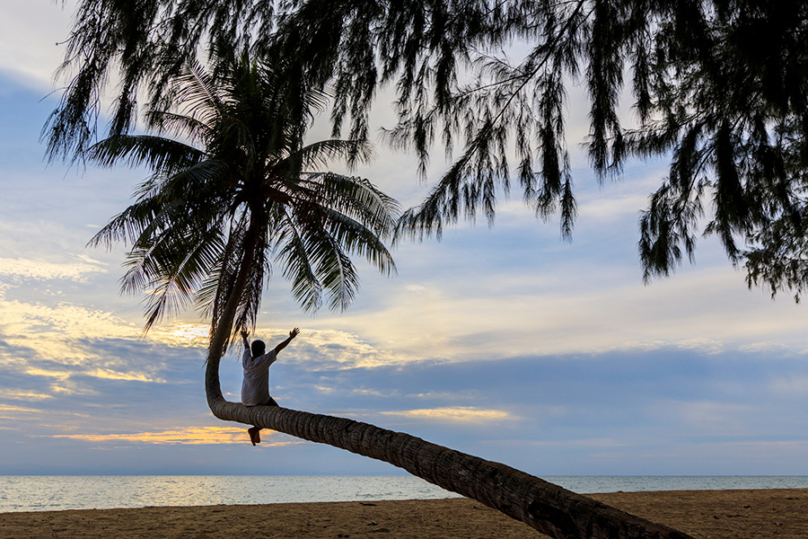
726 514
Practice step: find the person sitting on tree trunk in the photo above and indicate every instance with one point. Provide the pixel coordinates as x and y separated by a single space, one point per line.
255 386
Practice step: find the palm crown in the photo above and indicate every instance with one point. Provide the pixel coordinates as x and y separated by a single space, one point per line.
234 191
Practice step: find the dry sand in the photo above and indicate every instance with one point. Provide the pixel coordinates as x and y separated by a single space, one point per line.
728 514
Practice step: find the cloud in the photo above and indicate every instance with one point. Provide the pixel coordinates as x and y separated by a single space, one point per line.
442 395
318 349
792 385
19 394
507 313
182 436
131 376
606 209
56 328
352 392
62 340
10 408
767 346
36 25
712 418
181 334
578 443
12 412
459 414
60 375
329 348
20 268
66 382
770 444
57 342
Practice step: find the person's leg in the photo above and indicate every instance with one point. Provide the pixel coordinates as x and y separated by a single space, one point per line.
254 432
255 438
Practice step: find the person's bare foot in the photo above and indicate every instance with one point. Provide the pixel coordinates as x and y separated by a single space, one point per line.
255 438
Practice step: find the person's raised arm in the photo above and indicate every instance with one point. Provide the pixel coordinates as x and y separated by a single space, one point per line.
244 339
292 335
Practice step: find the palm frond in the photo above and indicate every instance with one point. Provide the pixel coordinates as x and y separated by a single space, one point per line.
297 266
197 94
322 153
178 125
353 196
172 271
357 239
157 153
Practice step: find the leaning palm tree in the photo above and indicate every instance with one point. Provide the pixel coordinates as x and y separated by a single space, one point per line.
235 193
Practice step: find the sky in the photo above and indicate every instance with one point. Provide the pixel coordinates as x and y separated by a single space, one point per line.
504 342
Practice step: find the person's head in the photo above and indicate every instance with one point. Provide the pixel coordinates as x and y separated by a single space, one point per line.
258 348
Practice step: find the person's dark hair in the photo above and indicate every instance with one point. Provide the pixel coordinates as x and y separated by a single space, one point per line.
258 348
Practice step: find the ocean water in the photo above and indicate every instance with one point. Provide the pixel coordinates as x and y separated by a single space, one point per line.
57 493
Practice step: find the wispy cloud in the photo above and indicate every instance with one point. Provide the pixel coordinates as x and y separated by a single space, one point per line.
181 334
22 268
183 436
508 314
587 443
328 348
19 394
353 392
317 348
62 340
792 385
713 418
53 330
132 376
453 414
11 408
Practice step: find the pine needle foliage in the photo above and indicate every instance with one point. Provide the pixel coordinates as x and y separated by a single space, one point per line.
720 88
234 191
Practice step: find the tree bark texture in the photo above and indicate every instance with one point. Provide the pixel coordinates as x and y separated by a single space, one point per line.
548 508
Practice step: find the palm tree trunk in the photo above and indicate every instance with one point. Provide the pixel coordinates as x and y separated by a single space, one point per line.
548 508
220 337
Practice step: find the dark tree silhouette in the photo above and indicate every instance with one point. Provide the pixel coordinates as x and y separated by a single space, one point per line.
720 88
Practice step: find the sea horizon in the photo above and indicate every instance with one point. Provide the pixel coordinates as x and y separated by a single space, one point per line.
20 493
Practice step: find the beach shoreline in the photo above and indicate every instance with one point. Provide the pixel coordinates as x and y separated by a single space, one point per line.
704 514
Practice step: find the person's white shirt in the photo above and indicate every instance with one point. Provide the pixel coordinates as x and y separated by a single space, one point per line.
255 385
